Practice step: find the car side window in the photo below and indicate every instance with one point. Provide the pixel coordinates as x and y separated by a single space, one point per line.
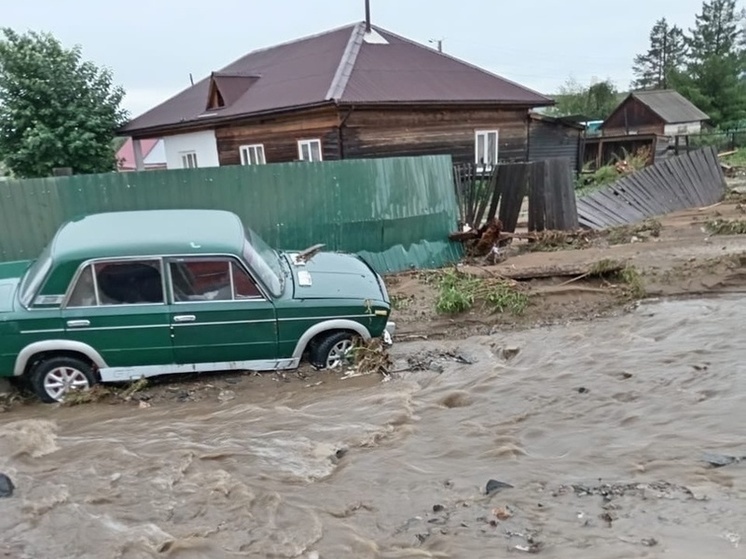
201 280
131 282
243 286
84 293
206 279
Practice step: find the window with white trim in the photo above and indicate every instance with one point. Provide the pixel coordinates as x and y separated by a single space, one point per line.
188 159
485 147
309 150
253 155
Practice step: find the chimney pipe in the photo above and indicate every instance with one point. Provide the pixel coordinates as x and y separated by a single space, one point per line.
367 16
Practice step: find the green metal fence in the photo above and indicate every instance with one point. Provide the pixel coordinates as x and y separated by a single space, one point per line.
397 212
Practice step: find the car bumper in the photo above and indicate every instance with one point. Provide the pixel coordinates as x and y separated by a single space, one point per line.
388 333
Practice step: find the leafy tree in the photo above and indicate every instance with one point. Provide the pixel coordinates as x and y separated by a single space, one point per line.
56 110
716 61
595 101
665 56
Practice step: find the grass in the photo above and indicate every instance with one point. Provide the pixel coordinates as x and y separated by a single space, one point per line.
726 226
632 279
737 159
459 292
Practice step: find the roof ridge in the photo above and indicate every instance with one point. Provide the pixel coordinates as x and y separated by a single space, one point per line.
292 42
346 64
464 62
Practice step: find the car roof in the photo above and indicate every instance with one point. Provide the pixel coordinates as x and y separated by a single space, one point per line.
149 233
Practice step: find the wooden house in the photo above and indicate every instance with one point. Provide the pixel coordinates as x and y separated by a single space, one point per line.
355 92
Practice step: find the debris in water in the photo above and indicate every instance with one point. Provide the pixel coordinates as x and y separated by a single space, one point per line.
226 396
438 508
6 486
502 513
649 542
720 460
583 390
509 352
494 486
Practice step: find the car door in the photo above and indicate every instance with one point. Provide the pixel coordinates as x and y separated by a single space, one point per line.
219 315
118 308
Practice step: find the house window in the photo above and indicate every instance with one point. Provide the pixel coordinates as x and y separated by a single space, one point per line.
253 155
309 150
189 159
485 147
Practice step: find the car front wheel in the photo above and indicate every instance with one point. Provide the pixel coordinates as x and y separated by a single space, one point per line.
334 351
52 379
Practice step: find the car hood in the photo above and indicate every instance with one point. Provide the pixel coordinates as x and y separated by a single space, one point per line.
332 275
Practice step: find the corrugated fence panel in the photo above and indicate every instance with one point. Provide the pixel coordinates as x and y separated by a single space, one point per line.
395 212
686 181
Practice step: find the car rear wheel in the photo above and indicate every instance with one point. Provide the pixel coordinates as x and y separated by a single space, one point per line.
333 351
54 378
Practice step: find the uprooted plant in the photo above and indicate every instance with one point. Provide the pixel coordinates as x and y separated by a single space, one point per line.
628 276
459 292
726 226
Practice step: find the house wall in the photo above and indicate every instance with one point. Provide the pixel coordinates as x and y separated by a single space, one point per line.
682 129
367 133
634 118
447 131
202 143
280 136
548 140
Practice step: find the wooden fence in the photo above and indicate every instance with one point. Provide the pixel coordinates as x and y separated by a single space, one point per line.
500 192
688 181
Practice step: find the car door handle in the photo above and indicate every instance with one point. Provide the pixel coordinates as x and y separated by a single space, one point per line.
185 318
78 323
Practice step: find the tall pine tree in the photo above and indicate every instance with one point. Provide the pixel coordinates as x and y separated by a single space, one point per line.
665 56
716 62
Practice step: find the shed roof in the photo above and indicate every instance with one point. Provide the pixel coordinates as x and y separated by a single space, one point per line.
148 233
670 105
344 66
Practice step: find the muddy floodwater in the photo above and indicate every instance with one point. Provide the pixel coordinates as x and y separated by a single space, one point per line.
599 428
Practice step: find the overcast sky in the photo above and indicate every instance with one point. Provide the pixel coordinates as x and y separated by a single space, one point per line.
153 45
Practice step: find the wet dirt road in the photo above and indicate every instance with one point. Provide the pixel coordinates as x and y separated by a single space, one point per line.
599 427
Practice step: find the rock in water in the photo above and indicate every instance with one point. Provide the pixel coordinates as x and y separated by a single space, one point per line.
6 486
493 486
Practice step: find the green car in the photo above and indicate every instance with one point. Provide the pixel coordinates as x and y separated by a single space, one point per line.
127 295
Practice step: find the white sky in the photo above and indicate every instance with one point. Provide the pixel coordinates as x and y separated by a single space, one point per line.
153 45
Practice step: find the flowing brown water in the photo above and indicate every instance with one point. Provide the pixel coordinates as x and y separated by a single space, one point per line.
363 468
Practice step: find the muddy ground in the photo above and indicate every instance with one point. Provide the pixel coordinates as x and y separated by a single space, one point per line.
673 256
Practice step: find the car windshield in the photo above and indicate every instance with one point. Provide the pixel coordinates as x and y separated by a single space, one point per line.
265 262
33 277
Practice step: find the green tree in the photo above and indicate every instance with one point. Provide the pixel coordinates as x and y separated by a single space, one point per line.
665 56
594 102
716 61
56 110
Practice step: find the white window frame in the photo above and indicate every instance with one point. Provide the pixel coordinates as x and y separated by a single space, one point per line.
479 157
252 154
309 145
188 159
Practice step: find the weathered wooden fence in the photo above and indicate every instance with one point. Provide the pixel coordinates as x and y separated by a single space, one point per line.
687 181
500 192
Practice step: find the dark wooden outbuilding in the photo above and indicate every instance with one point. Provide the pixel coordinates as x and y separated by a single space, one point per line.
663 112
355 92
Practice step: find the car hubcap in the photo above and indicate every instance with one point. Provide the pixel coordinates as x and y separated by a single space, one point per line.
61 380
339 354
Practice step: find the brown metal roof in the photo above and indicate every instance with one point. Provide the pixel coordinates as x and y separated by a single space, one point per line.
343 66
